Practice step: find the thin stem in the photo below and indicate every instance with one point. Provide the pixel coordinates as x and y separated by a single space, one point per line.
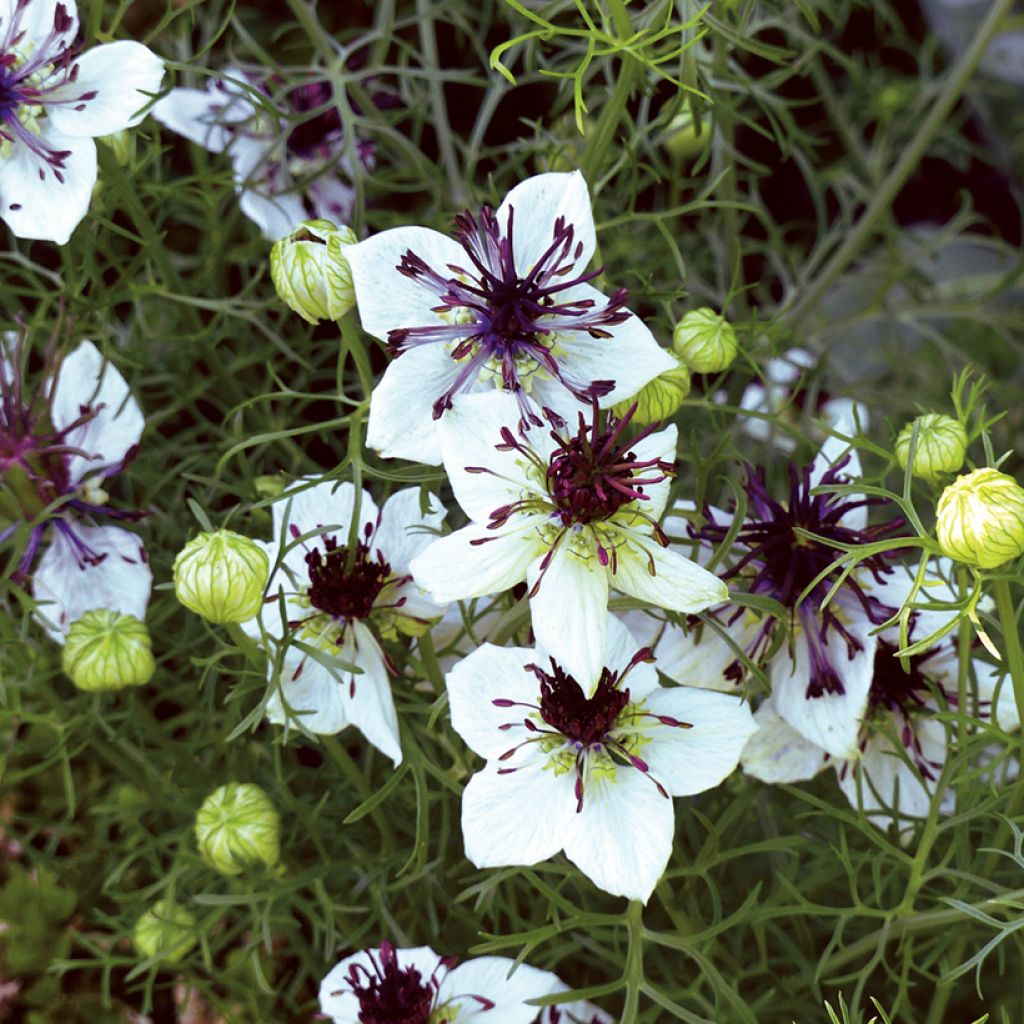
634 961
811 294
1011 641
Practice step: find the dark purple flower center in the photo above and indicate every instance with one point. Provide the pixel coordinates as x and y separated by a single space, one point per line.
391 994
782 563
506 318
565 707
318 135
345 588
895 688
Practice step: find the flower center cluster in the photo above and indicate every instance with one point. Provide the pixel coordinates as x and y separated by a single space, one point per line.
504 319
391 994
783 564
894 688
580 719
342 590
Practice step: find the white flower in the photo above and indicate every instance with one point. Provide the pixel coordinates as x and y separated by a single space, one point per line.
284 173
418 986
574 514
592 776
58 445
338 603
506 304
53 102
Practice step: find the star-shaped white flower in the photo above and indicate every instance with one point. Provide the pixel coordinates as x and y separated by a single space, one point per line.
339 599
573 512
592 776
54 101
506 304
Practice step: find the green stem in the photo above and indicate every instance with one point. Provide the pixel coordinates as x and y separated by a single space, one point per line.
634 962
811 294
247 646
1011 641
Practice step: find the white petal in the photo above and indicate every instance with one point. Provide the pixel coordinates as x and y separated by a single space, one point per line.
36 21
622 645
833 451
46 208
489 976
518 818
492 673
660 445
84 379
846 414
622 839
336 998
699 656
313 695
688 761
387 299
470 433
404 530
275 215
272 204
832 721
372 707
331 198
121 74
537 203
328 503
992 691
66 590
777 753
455 568
196 115
401 423
677 584
569 612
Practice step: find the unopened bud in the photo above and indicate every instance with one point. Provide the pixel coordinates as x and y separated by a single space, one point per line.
941 446
237 828
108 650
659 398
310 271
165 931
221 576
686 137
705 341
980 519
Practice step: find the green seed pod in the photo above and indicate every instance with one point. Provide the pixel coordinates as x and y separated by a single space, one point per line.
980 519
165 931
685 137
705 341
941 446
310 271
659 398
237 828
221 576
108 650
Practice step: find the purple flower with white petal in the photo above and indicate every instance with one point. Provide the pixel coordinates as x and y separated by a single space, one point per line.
506 304
57 448
54 100
288 168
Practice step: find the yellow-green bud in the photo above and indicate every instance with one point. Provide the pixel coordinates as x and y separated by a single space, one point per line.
107 650
221 576
659 398
941 445
237 828
685 137
705 341
165 931
310 271
980 519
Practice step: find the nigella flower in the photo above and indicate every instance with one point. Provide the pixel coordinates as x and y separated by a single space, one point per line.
343 593
287 169
507 304
574 512
417 986
590 775
54 100
901 744
59 443
821 675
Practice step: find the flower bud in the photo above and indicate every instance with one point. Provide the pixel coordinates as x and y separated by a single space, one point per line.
686 137
165 931
108 650
659 398
311 273
941 446
238 827
705 341
221 576
980 519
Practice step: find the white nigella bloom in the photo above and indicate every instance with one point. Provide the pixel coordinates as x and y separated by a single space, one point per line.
56 451
340 599
901 744
590 775
54 100
417 986
575 513
821 675
506 304
287 169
